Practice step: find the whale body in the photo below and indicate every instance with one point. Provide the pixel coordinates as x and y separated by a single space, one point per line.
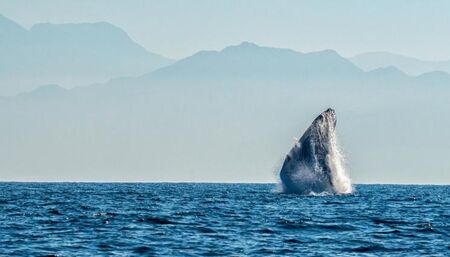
314 164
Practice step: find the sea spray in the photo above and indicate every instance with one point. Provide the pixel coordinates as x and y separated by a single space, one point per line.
340 179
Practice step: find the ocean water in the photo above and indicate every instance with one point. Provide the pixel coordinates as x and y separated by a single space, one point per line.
170 219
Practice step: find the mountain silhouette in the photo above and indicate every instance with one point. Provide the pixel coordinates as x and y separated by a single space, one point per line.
409 65
248 60
69 55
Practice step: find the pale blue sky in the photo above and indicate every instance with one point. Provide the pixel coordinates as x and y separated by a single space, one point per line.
179 28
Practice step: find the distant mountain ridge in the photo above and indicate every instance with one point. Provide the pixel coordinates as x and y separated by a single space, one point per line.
248 60
251 62
68 55
412 66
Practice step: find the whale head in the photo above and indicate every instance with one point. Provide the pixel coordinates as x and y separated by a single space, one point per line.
325 122
326 118
322 129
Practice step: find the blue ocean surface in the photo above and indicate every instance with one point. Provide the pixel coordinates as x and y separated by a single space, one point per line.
190 219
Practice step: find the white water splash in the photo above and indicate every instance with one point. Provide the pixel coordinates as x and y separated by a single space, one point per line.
340 179
320 194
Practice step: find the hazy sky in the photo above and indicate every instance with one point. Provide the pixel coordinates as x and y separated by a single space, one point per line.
179 28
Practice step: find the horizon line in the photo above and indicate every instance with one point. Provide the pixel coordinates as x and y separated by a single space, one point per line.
194 182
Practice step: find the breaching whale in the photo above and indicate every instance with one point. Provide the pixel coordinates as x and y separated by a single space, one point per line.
314 164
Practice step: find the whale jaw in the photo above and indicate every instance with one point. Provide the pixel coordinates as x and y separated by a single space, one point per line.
313 165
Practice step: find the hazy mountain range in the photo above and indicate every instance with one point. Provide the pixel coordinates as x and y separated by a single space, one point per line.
228 115
412 66
69 55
